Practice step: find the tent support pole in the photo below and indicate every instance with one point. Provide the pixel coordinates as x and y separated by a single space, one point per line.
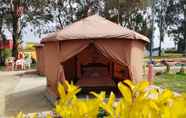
112 70
76 59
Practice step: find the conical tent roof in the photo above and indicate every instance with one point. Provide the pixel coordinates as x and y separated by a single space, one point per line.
94 27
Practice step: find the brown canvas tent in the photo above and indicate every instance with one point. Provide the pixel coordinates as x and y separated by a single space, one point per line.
40 59
92 52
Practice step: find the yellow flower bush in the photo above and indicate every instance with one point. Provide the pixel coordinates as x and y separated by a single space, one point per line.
137 101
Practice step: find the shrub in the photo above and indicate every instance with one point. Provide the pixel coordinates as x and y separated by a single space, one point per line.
138 101
7 53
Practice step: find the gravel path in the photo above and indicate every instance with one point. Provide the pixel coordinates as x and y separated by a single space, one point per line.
22 91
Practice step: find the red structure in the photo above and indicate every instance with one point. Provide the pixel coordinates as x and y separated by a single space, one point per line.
150 74
8 44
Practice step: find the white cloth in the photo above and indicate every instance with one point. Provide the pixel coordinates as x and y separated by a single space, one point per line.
19 62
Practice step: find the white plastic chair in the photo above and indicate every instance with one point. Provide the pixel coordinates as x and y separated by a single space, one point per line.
27 63
19 64
9 62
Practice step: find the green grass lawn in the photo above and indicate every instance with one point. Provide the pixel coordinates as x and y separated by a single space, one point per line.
175 82
166 56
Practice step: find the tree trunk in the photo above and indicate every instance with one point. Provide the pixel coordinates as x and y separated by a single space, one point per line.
182 70
180 46
1 25
160 45
161 35
184 28
161 28
16 27
106 10
152 31
16 36
119 19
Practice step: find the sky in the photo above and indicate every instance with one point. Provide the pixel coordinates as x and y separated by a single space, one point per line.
168 43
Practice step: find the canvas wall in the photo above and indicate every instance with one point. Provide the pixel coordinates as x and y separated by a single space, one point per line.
40 60
124 52
51 65
137 60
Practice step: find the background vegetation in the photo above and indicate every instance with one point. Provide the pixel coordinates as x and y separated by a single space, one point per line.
43 16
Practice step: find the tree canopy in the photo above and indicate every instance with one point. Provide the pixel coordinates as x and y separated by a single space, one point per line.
16 15
175 22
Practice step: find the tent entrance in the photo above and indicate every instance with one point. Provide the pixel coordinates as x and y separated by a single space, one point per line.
92 71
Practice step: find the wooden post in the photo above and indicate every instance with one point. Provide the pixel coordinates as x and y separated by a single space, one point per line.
150 74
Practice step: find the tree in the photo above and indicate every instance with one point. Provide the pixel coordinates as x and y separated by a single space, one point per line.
1 25
69 11
121 10
3 11
175 21
161 7
132 14
22 13
151 30
184 6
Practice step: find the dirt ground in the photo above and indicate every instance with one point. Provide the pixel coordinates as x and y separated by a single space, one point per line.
22 91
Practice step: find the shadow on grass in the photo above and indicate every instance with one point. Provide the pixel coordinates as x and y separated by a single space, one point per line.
29 101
